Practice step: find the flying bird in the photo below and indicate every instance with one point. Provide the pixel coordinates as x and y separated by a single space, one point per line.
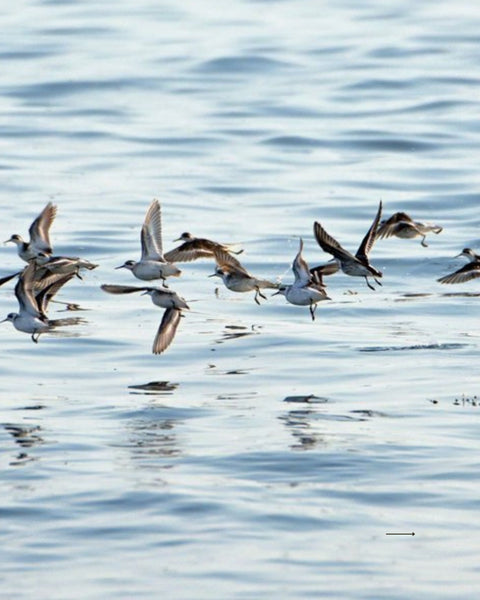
237 279
403 226
152 264
39 235
164 298
307 289
194 248
469 271
358 265
33 295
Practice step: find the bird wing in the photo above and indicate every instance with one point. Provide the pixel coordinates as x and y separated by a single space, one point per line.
9 277
150 250
222 257
369 239
300 268
388 226
151 234
328 244
24 291
46 288
465 273
39 229
189 251
121 289
166 331
317 273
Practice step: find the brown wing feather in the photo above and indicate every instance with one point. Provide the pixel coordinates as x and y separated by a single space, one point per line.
39 229
466 273
121 289
388 227
166 331
329 244
369 239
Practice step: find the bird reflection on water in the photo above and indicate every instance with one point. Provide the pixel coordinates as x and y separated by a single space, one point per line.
25 437
149 438
233 332
154 387
300 426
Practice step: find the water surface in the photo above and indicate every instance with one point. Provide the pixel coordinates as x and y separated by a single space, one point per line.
263 455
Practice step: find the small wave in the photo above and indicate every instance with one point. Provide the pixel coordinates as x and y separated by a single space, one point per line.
241 64
295 141
447 346
387 143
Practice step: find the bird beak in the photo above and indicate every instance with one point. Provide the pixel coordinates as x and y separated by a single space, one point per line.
276 293
120 267
177 239
3 320
214 275
9 240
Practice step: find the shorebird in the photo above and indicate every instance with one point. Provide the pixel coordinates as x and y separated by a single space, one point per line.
403 226
358 265
237 279
62 265
194 248
152 264
469 271
39 235
164 298
33 296
307 289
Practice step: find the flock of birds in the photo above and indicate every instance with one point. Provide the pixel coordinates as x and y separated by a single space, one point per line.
45 274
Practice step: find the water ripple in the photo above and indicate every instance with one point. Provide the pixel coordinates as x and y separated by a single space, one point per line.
231 65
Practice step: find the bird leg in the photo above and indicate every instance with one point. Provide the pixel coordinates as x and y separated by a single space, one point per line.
423 242
369 284
33 337
376 281
313 308
257 294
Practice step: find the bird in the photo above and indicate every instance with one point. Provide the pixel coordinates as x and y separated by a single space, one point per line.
33 295
62 265
469 271
152 264
194 248
39 235
307 289
164 298
358 265
237 279
403 226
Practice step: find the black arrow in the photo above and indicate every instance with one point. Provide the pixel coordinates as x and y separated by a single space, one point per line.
412 533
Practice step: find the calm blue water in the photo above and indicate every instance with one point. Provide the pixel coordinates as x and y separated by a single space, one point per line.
205 472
